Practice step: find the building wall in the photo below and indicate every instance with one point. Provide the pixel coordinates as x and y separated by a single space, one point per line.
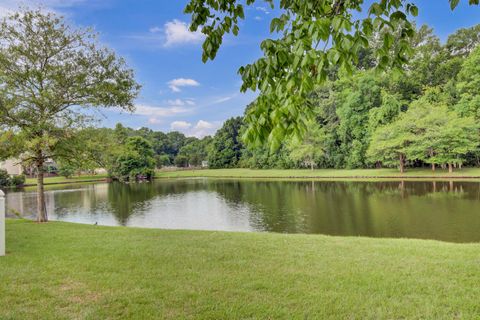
12 166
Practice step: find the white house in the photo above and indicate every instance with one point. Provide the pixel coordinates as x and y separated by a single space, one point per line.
12 166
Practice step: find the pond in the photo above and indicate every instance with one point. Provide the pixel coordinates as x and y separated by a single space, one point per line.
441 210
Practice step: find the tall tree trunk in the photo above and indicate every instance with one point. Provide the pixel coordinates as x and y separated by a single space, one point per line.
311 165
41 207
402 163
431 155
450 168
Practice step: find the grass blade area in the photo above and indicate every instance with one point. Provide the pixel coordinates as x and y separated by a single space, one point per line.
64 271
467 173
63 180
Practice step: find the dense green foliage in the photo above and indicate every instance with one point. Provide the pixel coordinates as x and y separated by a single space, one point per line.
66 170
226 145
49 73
135 162
118 149
307 150
427 132
194 151
7 180
425 116
309 39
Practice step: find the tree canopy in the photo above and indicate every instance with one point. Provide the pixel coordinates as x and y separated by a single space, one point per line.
309 39
49 74
135 162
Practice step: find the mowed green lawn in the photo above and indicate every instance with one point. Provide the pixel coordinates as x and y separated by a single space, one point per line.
69 271
280 173
61 180
321 173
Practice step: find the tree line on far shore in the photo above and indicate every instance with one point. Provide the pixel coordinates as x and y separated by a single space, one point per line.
428 115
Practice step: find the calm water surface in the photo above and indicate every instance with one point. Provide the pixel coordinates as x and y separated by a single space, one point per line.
448 211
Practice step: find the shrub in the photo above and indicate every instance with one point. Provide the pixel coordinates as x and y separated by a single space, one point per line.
181 161
162 160
4 178
137 161
66 171
17 181
11 181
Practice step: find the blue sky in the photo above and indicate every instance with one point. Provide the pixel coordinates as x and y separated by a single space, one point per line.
179 91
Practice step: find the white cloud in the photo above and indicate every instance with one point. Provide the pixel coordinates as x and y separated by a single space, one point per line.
5 11
263 9
205 128
180 102
56 3
176 84
221 100
8 7
176 33
258 18
201 129
176 102
60 7
171 34
155 29
151 111
173 108
180 125
154 121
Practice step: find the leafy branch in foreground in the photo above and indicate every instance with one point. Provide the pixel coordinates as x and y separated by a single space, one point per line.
311 39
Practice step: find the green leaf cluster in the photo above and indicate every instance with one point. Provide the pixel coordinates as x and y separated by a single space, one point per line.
309 39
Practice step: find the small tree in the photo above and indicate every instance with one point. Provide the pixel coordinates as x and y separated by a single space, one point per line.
49 73
162 160
181 161
66 170
136 162
308 149
226 147
429 132
4 178
196 151
445 137
389 144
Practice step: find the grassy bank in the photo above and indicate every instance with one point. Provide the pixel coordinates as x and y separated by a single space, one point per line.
322 173
63 180
466 173
60 270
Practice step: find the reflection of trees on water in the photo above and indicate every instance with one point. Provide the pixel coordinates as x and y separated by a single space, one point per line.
124 200
417 209
87 199
270 202
443 210
421 209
